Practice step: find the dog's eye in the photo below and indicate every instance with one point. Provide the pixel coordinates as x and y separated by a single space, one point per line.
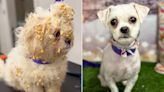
114 22
56 34
68 41
132 20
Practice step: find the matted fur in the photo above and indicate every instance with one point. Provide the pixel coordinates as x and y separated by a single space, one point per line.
36 40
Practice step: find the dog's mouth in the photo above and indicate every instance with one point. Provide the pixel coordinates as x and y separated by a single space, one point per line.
124 37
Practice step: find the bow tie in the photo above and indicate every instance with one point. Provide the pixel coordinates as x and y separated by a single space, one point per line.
123 52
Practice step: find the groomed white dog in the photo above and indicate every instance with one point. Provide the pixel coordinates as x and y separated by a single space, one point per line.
38 63
121 59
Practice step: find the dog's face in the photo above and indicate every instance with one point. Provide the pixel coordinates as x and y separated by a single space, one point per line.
48 34
124 21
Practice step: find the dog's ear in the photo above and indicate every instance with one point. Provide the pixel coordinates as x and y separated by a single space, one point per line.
104 14
141 10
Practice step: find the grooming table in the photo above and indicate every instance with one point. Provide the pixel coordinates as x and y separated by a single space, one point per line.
71 83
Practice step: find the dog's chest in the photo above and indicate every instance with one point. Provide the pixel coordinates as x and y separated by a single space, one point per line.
40 75
43 77
120 68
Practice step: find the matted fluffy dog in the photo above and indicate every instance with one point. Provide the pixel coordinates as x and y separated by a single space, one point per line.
38 63
121 59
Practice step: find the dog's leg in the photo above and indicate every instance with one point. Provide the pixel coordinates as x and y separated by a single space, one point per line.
102 81
131 83
111 84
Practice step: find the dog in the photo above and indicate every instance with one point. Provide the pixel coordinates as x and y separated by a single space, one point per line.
38 62
121 59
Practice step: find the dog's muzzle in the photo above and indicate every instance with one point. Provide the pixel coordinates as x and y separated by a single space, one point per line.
124 30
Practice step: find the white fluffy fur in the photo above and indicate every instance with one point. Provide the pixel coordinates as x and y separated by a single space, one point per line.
115 68
123 13
20 71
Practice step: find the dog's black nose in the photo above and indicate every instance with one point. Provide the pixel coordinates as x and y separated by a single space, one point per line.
124 30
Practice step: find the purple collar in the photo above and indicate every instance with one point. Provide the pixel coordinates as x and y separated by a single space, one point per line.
58 0
124 53
39 61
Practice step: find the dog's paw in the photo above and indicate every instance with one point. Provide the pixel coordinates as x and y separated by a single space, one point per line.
124 83
127 91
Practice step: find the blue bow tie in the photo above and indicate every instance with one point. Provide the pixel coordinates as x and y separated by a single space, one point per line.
123 52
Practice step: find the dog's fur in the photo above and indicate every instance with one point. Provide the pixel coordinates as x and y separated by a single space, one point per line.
115 68
38 40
